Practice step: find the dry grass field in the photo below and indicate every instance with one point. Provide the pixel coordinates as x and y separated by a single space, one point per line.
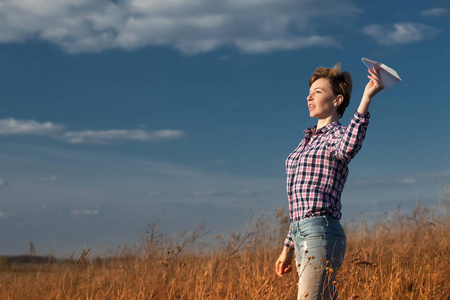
401 257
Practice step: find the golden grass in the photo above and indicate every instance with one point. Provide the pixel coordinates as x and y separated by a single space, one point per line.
403 257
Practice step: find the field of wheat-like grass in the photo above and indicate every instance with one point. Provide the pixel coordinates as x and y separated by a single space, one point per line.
401 257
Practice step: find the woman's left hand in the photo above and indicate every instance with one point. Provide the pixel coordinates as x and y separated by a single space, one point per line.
375 84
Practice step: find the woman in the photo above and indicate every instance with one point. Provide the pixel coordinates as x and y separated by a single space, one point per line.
316 174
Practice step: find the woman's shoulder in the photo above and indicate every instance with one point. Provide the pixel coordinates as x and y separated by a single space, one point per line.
335 135
337 130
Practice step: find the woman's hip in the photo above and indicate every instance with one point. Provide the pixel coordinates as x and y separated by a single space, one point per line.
318 227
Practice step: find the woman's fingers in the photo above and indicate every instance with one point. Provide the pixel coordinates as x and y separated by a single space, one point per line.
278 268
375 83
375 72
282 268
375 76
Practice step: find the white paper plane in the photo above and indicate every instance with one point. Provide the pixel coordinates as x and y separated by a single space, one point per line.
388 75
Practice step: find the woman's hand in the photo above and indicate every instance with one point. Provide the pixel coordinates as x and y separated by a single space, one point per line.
375 84
283 264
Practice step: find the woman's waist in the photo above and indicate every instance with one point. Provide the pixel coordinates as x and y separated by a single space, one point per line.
322 219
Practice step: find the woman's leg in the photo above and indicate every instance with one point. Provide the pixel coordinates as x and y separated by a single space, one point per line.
320 250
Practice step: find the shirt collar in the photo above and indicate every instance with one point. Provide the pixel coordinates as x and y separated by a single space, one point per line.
312 130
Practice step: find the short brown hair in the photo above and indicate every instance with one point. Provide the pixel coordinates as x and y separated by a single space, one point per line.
340 82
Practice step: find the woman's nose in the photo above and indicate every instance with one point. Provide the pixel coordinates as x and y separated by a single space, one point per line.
308 98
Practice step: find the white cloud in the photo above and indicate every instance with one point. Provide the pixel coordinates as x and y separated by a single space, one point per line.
85 212
50 178
435 12
407 180
400 33
402 180
20 127
193 26
234 193
2 182
105 136
28 127
266 46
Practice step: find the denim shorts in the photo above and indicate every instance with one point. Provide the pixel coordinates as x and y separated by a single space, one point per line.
320 245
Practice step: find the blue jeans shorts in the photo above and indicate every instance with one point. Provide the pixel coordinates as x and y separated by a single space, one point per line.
320 245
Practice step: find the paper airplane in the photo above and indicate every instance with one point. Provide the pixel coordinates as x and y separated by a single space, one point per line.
388 75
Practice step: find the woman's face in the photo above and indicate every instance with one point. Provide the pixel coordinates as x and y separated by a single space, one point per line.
321 98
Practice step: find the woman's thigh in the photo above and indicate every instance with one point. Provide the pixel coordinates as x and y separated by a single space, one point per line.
320 249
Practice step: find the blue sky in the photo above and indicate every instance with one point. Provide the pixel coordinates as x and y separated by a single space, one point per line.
114 113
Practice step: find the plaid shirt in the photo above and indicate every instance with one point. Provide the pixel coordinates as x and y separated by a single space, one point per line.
318 168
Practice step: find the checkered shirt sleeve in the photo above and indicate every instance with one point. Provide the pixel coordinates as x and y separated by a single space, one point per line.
317 169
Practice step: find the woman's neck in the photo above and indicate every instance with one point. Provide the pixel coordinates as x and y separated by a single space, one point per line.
324 122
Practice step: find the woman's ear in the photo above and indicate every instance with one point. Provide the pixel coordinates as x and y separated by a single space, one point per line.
339 99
